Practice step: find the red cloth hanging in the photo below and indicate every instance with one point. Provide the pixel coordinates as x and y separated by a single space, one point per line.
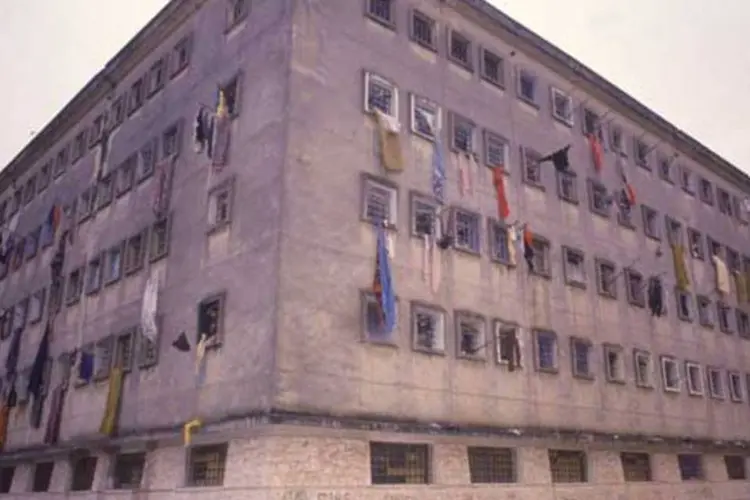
630 193
596 151
498 179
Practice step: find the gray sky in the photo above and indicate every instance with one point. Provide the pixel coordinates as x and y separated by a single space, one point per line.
685 59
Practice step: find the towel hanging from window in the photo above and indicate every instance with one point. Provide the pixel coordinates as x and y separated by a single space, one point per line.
528 248
741 285
680 270
382 286
515 235
655 297
112 407
389 141
596 151
722 275
36 377
438 170
222 131
498 179
149 307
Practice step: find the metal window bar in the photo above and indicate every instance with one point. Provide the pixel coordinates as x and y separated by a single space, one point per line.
396 463
206 465
581 358
567 466
636 467
128 471
491 465
380 9
422 29
546 350
380 96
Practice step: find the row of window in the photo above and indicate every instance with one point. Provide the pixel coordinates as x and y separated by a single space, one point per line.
380 202
429 333
145 87
382 94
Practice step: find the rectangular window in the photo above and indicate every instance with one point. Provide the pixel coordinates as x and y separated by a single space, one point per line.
491 465
423 30
499 242
45 176
124 344
706 192
171 140
568 466
136 96
643 369
691 466
372 320
83 472
79 146
546 351
614 363
532 171
670 374
380 94
211 318
127 471
148 160
641 153
606 278
736 394
651 222
423 216
220 201
466 228
462 134
206 465
159 239
156 77
428 327
397 463
42 476
580 353
562 106
687 181
113 264
493 68
104 192
94 275
527 83
695 240
567 186
460 50
635 288
103 354
705 315
725 202
148 353
736 467
135 251
508 345
723 313
381 11
541 261
600 201
574 267
181 54
6 478
29 191
674 231
126 174
471 333
425 117
694 375
496 151
715 383
380 202
743 324
636 467
665 168
75 287
617 140
592 124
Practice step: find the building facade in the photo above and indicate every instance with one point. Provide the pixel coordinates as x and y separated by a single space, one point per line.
565 329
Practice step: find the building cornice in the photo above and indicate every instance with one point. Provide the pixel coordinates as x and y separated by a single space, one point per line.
497 22
170 18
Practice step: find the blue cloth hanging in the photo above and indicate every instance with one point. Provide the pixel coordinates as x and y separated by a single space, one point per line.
383 284
86 367
438 170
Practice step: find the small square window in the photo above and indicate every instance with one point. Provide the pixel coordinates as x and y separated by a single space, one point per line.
706 192
156 77
592 124
714 247
567 186
380 94
614 363
545 350
527 87
423 217
736 394
462 134
220 202
736 468
580 353
725 202
687 181
499 242
466 230
665 168
636 467
460 49
625 216
181 54
705 311
695 240
743 324
491 465
532 170
127 471
423 30
684 305
206 465
715 383
694 376
617 140
83 470
94 275
568 466
211 311
635 288
574 267
113 264
723 314
606 277
674 231
126 175
135 252
379 202
643 369
496 151
159 239
42 477
562 106
670 374
428 327
508 345
493 68
600 200
691 466
471 335
641 153
425 117
136 96
75 287
381 11
651 222
541 260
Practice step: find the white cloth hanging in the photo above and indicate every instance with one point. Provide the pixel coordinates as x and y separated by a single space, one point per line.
149 308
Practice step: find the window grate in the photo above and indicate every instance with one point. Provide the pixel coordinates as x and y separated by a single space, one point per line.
380 95
467 231
492 68
381 9
206 465
491 465
427 326
581 352
423 30
460 48
128 471
636 467
42 476
83 473
568 466
396 463
691 466
546 347
463 135
499 243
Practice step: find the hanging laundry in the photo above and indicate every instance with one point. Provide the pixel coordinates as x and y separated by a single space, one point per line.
655 296
36 378
513 239
37 411
149 308
54 218
112 408
559 159
58 261
222 130
382 286
163 187
596 151
740 284
188 429
4 420
11 362
200 352
438 170
528 248
722 275
200 136
389 141
181 343
52 432
85 366
498 179
680 270
103 152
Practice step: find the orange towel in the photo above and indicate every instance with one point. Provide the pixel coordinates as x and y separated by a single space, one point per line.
596 151
498 179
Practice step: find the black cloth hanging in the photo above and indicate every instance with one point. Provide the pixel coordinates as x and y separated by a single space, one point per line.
56 266
559 159
181 343
200 128
11 362
36 378
528 254
655 297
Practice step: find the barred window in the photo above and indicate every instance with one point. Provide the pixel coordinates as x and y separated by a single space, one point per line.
636 466
691 466
396 463
83 473
568 466
492 465
206 465
128 471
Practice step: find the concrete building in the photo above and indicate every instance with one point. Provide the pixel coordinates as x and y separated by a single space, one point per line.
500 379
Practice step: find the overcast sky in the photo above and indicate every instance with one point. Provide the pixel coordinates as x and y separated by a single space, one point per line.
685 59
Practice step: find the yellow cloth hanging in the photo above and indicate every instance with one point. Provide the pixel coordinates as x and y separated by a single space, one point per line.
222 110
740 284
680 270
187 431
112 409
722 275
389 140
